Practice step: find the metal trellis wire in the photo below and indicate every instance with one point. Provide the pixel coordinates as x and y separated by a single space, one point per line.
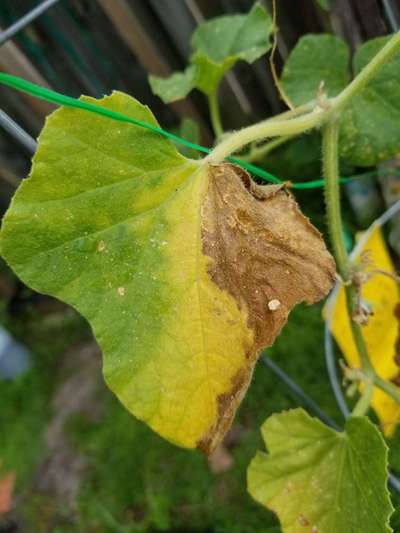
9 125
26 19
6 122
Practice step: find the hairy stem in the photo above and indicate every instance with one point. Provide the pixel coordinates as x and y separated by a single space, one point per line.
330 141
215 114
387 386
263 130
335 225
357 331
362 406
258 152
332 198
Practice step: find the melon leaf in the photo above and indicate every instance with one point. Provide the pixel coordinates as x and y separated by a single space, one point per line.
320 481
173 262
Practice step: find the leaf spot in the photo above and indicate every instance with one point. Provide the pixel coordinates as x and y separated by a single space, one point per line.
121 291
303 520
274 304
101 246
288 488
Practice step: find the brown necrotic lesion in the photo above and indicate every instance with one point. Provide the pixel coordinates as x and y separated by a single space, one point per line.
263 249
268 256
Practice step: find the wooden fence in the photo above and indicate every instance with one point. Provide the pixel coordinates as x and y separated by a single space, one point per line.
94 46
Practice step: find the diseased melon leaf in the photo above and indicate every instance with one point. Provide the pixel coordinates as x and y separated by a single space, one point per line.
320 481
217 45
369 130
184 270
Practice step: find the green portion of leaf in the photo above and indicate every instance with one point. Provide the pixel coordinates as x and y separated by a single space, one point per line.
314 59
208 73
115 222
217 45
175 87
90 226
234 37
319 481
370 124
190 131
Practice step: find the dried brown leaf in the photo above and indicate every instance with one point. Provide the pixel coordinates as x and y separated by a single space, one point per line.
268 256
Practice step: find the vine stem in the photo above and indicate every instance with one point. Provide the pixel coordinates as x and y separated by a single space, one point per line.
215 114
362 406
316 118
263 130
330 158
390 388
258 152
335 227
332 197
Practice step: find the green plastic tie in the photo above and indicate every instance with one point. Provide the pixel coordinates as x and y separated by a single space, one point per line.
61 99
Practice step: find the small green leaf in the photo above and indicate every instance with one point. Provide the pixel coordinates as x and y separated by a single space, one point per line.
320 481
217 45
208 73
234 37
370 124
175 87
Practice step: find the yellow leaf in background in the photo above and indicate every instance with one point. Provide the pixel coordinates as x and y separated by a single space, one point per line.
380 333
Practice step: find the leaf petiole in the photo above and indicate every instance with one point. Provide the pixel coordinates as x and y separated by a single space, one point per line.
362 406
335 227
215 114
390 388
263 130
258 152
